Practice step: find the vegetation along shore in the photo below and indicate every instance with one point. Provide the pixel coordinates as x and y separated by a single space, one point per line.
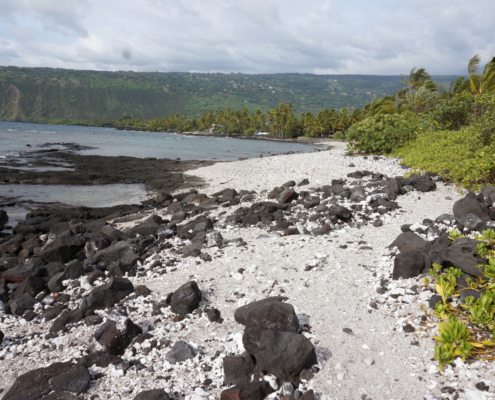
363 271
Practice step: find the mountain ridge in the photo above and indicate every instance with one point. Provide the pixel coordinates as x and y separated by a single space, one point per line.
33 94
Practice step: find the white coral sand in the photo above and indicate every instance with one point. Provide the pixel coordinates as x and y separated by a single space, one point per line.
375 361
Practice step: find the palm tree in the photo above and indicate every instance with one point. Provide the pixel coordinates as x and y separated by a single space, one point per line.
455 87
356 116
272 117
333 120
416 79
486 81
385 105
420 101
308 121
343 121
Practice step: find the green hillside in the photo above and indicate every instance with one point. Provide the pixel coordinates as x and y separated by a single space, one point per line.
35 93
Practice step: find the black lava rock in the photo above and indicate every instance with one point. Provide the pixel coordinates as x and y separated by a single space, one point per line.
283 354
273 315
238 369
180 351
408 265
186 299
241 313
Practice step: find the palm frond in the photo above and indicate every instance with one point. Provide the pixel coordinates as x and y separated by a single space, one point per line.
474 78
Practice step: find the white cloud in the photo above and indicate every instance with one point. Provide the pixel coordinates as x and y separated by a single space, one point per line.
259 36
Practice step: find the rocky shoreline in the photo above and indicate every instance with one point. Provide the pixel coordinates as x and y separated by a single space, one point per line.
75 169
247 292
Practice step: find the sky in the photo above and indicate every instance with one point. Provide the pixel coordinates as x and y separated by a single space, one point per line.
383 37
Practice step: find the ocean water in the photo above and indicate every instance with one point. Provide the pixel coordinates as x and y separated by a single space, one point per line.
88 196
15 136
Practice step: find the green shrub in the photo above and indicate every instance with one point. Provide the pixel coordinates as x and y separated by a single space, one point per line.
339 135
250 131
466 156
455 338
383 133
452 114
458 155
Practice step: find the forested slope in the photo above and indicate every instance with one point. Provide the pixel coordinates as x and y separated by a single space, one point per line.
36 93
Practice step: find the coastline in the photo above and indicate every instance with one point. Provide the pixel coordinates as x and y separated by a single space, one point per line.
335 297
300 139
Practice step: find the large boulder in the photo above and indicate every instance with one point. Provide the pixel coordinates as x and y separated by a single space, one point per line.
30 268
62 244
489 191
108 294
186 299
470 221
283 354
23 303
144 229
238 369
462 255
8 263
408 265
411 242
31 286
438 248
124 252
96 242
274 315
12 246
470 205
66 377
241 313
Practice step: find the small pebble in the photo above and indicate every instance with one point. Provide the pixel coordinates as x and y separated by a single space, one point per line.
369 361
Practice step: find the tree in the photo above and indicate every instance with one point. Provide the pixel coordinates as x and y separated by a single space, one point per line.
385 105
343 121
486 81
455 87
421 100
308 122
416 79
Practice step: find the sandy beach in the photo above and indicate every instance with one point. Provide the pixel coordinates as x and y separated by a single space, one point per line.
363 350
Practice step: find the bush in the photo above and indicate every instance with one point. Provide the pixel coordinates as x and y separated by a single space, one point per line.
455 337
384 133
339 135
250 131
452 114
466 156
457 155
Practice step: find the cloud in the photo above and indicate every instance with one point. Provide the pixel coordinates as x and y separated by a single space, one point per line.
62 17
259 36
